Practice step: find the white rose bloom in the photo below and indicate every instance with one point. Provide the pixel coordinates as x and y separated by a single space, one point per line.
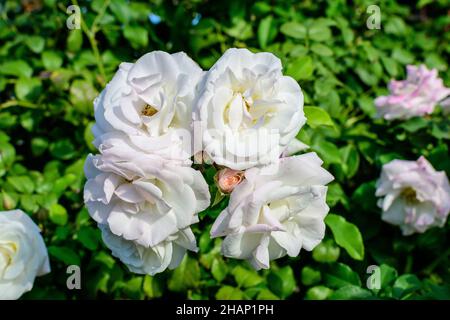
269 216
23 254
144 201
151 101
248 111
150 260
413 195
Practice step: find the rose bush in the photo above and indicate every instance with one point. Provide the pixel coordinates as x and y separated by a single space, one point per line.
50 76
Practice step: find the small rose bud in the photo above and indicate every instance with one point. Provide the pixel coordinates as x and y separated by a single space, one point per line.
228 179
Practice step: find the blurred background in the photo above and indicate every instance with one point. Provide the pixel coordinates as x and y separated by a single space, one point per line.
53 64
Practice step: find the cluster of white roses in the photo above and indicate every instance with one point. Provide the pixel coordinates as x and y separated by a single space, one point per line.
242 114
144 194
413 194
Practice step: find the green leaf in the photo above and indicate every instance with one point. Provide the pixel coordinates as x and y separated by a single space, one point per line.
35 43
138 36
246 278
7 156
88 237
351 293
390 65
63 149
266 294
22 184
58 214
282 282
340 275
61 184
9 200
405 285
388 275
229 293
29 203
65 255
367 105
441 130
414 124
300 68
186 276
402 56
219 269
321 50
51 60
152 287
105 260
316 116
395 25
38 146
310 276
318 293
366 75
133 288
82 93
350 160
364 196
326 252
17 68
319 32
28 88
265 31
294 30
328 151
75 40
89 136
346 235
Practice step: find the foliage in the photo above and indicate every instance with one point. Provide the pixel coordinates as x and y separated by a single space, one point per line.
49 76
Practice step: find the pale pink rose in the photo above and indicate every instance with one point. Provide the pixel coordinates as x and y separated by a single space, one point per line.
415 96
414 195
227 179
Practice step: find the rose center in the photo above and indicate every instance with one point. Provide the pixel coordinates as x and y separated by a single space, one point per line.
149 110
410 195
7 252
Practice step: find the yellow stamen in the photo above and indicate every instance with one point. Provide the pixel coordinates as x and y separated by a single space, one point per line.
148 111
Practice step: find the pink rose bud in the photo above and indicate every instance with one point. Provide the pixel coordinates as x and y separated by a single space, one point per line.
228 179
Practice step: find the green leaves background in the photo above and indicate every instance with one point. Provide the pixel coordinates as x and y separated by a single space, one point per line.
49 76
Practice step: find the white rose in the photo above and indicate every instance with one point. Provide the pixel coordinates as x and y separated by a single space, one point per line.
269 216
248 111
413 195
142 198
151 101
23 254
150 260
